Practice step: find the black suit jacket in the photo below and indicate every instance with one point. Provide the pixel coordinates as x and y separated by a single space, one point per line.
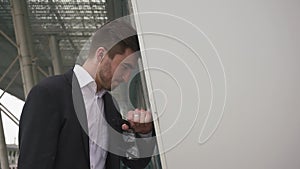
50 134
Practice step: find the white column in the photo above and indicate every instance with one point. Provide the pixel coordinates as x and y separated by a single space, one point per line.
55 55
21 27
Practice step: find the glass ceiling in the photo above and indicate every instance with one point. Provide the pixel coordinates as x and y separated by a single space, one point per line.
72 22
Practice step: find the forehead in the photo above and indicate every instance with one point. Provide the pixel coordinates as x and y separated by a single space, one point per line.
129 57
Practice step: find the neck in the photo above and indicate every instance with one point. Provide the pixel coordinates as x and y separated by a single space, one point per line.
91 67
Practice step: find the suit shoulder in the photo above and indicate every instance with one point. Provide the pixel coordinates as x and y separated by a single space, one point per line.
51 81
57 83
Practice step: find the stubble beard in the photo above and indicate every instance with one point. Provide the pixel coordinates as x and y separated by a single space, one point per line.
103 81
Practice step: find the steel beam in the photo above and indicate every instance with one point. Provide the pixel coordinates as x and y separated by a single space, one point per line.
11 81
42 71
9 68
55 55
50 71
30 43
8 38
9 114
21 31
60 21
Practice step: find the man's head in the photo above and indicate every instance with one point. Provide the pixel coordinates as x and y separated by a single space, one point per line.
111 56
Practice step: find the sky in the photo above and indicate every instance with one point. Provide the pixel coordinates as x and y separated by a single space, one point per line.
14 105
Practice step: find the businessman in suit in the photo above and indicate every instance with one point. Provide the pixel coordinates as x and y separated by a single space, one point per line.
70 121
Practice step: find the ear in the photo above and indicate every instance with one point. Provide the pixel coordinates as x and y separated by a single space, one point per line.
100 53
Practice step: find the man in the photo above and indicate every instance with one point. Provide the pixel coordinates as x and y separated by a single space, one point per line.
70 121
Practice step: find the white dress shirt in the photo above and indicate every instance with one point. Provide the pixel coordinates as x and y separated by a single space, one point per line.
97 125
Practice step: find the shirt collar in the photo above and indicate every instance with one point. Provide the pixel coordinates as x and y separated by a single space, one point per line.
101 93
83 77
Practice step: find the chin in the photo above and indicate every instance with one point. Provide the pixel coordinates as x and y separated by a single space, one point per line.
108 87
114 85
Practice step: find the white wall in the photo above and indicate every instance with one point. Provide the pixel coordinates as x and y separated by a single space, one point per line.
246 54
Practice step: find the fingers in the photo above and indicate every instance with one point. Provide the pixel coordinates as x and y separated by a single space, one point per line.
130 115
136 116
142 116
148 117
125 127
140 121
139 116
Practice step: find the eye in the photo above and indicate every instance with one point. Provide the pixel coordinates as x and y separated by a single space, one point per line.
124 67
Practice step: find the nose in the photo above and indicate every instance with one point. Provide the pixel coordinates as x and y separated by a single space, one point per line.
126 76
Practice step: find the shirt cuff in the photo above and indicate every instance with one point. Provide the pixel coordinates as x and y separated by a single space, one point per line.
146 135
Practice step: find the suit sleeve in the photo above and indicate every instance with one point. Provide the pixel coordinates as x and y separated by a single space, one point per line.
141 163
146 149
39 130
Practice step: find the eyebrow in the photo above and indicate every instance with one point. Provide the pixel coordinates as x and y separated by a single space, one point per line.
128 65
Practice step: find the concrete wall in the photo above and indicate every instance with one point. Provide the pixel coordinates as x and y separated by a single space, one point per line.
225 76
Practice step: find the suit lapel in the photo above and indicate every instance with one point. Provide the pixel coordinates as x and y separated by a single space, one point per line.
112 116
79 108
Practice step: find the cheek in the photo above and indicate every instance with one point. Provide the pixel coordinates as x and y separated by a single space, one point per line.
115 73
106 74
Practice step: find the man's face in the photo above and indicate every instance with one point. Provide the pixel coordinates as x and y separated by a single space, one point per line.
112 72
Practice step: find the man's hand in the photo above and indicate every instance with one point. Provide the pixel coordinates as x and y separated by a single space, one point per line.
140 121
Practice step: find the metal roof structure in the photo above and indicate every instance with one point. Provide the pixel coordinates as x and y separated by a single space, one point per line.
69 23
39 38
